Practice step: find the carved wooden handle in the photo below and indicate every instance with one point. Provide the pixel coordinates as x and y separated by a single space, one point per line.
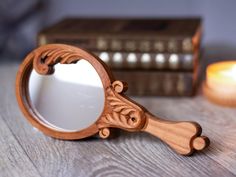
183 137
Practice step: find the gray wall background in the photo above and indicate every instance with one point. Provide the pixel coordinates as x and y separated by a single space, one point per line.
21 20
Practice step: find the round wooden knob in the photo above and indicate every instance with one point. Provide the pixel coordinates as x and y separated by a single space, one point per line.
120 86
201 142
104 133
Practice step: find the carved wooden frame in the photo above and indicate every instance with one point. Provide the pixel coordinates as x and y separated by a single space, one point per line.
119 111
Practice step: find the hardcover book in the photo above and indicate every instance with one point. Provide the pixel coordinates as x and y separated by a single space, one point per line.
129 35
154 83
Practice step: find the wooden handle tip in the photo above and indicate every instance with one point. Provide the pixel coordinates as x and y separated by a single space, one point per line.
201 142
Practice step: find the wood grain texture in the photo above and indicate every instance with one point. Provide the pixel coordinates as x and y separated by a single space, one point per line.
13 159
183 137
129 154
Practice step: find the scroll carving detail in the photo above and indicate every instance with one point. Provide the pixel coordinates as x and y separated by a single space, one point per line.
124 114
44 58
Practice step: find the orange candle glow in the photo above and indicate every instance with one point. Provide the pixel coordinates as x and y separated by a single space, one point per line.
220 84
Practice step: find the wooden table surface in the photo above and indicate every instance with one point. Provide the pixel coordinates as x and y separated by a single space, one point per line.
24 151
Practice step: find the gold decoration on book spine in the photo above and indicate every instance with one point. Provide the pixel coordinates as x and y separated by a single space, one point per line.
104 56
116 45
172 46
131 60
146 60
145 46
130 46
117 59
187 45
174 61
160 60
102 44
159 46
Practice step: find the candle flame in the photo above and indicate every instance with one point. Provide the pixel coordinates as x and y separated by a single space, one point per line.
230 72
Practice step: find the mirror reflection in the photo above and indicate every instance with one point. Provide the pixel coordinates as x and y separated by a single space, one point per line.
71 99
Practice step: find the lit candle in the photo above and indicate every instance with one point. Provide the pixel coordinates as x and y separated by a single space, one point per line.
220 85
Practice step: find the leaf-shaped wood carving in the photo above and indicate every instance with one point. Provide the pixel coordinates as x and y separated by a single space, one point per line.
44 58
123 113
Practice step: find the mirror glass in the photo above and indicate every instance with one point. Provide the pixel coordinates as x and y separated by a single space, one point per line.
71 99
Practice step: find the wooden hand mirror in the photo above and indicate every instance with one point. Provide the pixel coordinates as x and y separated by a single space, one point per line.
68 93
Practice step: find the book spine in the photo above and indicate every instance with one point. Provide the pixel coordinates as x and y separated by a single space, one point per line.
127 44
151 83
155 61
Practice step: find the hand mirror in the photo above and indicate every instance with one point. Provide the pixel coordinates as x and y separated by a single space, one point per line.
68 93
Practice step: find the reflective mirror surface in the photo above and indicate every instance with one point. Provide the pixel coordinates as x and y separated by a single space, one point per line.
71 99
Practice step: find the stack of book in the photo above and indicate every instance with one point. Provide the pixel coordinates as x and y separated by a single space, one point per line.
154 56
